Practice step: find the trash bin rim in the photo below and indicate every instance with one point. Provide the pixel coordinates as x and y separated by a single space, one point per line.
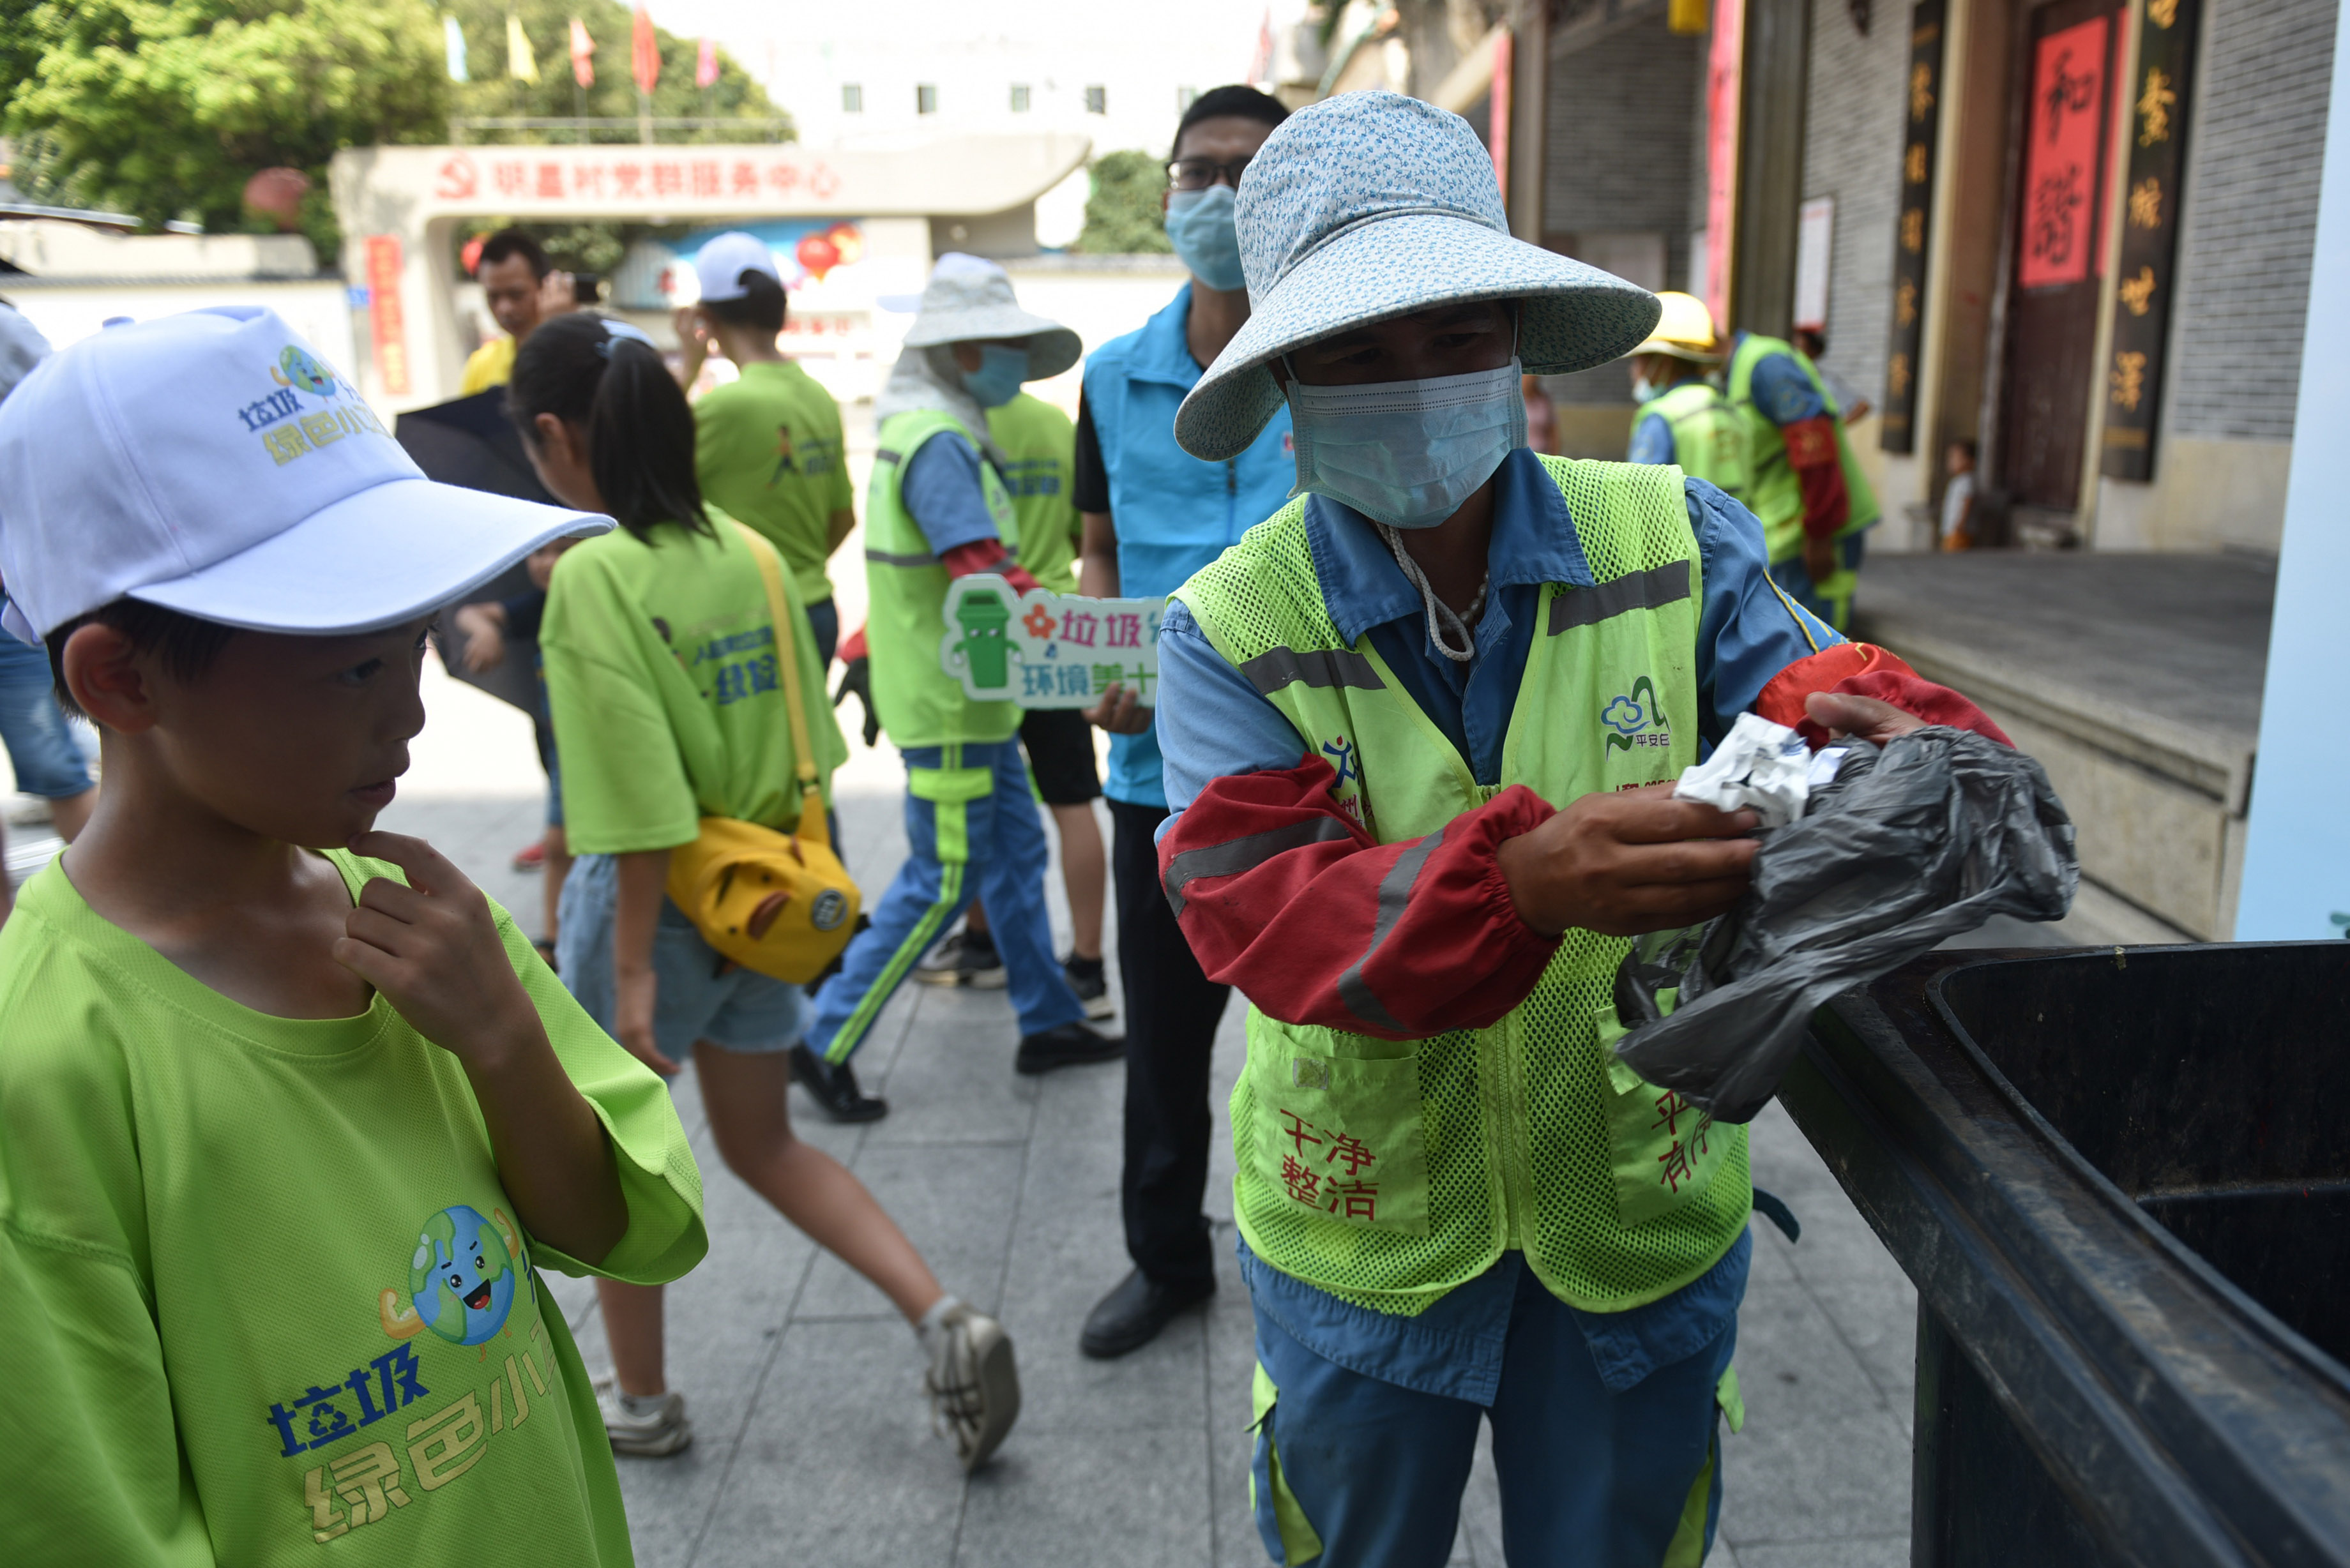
2287 1340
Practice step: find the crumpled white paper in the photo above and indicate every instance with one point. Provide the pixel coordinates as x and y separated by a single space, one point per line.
1759 765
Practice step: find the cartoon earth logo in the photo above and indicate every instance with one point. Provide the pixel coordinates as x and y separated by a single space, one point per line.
461 1279
299 370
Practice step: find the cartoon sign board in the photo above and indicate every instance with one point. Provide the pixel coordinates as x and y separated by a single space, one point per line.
1043 649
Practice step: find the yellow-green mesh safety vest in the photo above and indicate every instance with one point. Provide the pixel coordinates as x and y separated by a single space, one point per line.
921 704
1389 1171
1709 437
1773 493
1040 447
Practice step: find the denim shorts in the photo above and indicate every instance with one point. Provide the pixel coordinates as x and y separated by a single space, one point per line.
40 743
741 1010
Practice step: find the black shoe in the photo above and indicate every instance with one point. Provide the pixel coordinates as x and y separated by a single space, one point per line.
1086 977
1070 1046
1131 1315
835 1088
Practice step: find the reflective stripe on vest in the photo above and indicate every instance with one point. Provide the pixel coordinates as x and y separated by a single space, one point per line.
1040 448
1772 492
1388 1172
919 703
1709 437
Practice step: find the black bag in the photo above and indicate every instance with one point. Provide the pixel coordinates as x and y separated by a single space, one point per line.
1926 837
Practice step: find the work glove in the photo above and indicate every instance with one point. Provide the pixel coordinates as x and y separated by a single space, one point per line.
857 675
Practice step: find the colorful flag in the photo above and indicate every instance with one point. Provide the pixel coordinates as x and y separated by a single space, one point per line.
521 64
705 68
453 40
644 53
583 54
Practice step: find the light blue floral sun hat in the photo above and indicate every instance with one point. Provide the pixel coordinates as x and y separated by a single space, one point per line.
1372 204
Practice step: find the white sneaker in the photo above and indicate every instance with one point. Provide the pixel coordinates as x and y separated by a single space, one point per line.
973 1385
653 1426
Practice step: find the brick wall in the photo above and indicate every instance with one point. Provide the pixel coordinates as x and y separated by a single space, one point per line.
2257 144
1852 151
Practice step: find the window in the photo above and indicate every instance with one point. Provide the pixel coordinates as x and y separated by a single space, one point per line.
926 98
852 97
1096 100
1020 98
1185 97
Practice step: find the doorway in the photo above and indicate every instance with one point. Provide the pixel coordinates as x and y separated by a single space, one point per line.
2052 273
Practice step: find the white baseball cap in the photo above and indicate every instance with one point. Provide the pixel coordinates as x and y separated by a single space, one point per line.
214 464
720 264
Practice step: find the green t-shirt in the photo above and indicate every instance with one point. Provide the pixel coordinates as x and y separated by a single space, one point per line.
230 1242
662 675
767 449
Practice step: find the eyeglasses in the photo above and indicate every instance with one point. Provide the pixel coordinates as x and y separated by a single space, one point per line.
1199 174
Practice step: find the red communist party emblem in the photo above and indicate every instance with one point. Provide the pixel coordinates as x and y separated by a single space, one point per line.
458 181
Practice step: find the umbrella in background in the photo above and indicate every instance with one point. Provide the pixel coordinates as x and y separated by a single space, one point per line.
472 443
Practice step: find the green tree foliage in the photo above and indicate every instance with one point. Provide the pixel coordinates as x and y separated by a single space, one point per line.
165 108
547 25
1123 215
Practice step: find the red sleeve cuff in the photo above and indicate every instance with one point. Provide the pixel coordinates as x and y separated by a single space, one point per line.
1864 670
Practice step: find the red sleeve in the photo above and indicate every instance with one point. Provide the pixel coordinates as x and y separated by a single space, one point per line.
1812 452
987 556
854 647
1864 670
1280 894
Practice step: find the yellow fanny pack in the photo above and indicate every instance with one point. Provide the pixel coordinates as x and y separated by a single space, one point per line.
780 903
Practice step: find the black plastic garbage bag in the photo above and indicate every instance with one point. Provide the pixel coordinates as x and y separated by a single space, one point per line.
1926 837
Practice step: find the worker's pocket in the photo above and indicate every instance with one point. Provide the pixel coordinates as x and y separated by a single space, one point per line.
1340 1137
1661 1150
951 791
1289 1537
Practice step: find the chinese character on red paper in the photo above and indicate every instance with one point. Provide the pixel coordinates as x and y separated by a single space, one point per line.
1361 1200
1676 1165
743 179
512 175
668 179
629 179
587 179
1080 628
705 177
1671 1108
1125 631
1303 1184
1348 1147
1299 1131
783 176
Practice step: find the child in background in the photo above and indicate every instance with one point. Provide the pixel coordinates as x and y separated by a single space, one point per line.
663 670
289 1112
1957 531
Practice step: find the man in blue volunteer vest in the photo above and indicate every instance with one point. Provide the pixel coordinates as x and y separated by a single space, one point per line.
1419 730
1153 515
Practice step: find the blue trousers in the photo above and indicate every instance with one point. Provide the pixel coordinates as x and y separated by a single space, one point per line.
970 830
1354 1472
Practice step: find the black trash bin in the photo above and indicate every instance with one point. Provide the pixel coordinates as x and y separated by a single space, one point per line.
2120 1181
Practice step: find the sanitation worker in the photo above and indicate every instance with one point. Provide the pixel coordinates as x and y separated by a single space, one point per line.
1684 420
1419 730
1804 482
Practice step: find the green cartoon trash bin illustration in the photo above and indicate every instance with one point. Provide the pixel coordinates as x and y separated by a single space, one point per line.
983 618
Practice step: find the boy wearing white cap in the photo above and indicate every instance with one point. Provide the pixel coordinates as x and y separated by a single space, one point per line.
289 1112
1420 729
938 508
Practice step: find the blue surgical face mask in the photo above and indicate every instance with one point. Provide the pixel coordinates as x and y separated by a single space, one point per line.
1200 227
997 380
1407 453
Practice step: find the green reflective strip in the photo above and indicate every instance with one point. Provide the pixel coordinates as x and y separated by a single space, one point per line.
1686 1548
1300 1542
893 973
1726 1395
1652 590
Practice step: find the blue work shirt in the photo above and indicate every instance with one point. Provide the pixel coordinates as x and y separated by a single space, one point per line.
1212 724
1780 389
1174 513
941 492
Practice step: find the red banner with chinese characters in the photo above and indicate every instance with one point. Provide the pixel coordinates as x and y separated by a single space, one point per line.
1722 110
386 325
2061 209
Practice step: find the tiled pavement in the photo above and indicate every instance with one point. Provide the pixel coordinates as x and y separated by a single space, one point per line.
813 1444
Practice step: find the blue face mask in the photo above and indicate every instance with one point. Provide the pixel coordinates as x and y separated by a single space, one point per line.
1407 453
997 380
1200 227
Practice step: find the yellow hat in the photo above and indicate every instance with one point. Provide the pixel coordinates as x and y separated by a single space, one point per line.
1685 331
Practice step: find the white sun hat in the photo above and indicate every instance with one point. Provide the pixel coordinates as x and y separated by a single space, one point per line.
1372 204
214 464
969 299
720 264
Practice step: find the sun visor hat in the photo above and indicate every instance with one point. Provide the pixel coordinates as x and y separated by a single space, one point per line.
969 299
720 264
216 464
1371 204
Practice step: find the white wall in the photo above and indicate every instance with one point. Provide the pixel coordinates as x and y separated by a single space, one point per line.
66 313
